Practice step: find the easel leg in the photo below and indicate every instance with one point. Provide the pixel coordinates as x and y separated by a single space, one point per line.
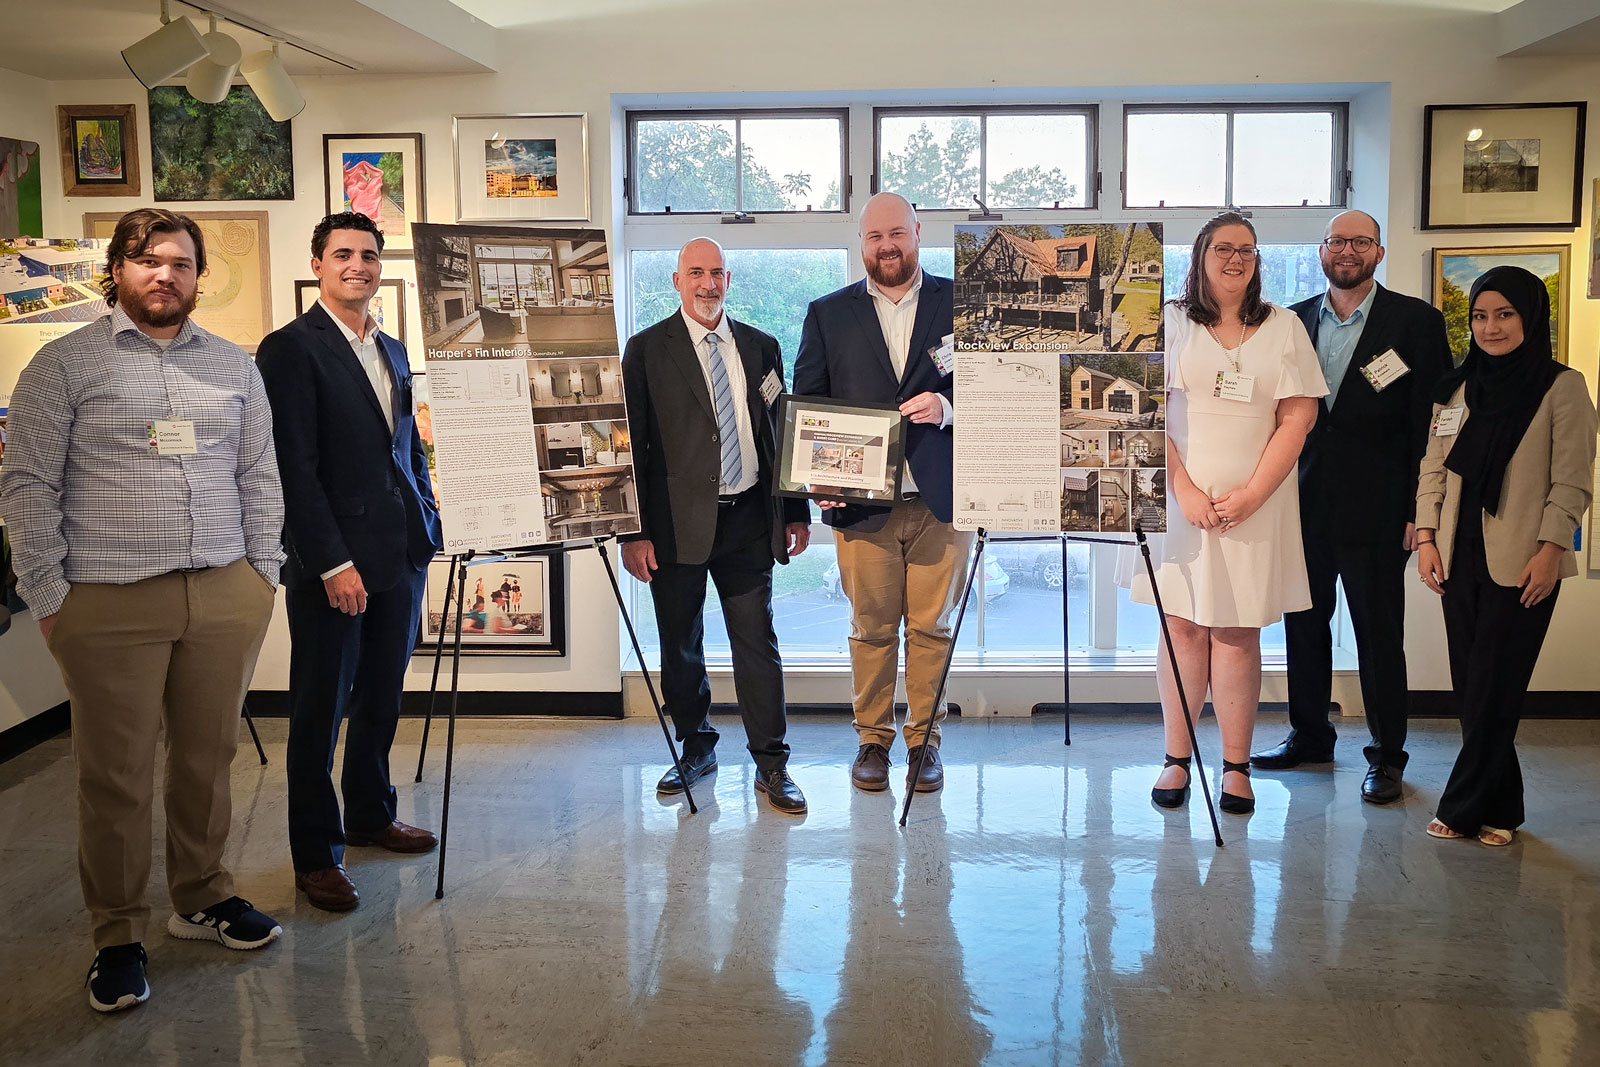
1066 648
944 676
633 636
244 708
450 734
438 654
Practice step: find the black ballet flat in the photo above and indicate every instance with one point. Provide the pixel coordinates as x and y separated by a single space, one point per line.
1232 803
1172 798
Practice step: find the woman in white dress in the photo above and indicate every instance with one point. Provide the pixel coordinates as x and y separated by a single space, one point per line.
1242 388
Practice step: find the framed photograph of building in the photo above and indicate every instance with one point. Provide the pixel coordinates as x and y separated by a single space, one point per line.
1502 166
831 450
99 149
522 167
1455 269
380 176
388 304
513 605
236 289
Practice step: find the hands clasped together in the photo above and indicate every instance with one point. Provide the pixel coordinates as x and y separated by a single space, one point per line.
1218 513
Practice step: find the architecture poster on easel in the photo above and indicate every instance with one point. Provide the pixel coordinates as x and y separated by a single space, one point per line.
524 381
1060 378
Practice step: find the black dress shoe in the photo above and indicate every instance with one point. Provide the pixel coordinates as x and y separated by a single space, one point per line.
1382 784
781 791
1289 754
1233 803
1173 798
694 769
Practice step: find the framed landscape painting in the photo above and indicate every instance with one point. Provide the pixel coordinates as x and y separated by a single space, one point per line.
380 176
1502 166
227 151
522 167
99 149
1455 269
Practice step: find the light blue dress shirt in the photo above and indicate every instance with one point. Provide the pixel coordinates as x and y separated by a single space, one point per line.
1336 340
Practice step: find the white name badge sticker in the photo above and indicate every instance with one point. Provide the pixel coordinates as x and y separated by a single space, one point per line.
1385 370
944 354
1231 385
770 388
1447 422
172 437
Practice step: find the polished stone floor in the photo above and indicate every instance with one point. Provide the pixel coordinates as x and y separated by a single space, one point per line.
1038 911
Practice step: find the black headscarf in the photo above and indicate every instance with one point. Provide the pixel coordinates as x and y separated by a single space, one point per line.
1503 392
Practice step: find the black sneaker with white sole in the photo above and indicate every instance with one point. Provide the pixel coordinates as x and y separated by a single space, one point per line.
234 922
116 978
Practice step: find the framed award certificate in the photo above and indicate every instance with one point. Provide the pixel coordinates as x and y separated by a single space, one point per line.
832 450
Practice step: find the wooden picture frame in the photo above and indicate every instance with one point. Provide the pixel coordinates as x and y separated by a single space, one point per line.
376 155
1454 270
527 629
546 177
1503 166
236 289
92 163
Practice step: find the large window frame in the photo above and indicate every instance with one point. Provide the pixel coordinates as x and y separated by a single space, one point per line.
1339 179
983 112
738 116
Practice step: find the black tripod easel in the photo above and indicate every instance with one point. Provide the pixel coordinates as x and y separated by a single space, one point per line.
949 658
244 709
457 583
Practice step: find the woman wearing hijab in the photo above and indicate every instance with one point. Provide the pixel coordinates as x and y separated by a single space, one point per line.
1503 486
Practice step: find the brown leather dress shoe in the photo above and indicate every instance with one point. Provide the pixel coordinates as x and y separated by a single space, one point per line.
396 837
870 771
931 778
329 889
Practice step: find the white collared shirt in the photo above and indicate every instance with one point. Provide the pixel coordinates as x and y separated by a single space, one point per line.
372 359
737 388
898 321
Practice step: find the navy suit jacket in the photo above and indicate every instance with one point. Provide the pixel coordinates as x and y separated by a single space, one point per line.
843 356
677 458
352 490
1358 469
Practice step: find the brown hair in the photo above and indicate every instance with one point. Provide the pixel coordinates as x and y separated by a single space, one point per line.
1197 301
133 235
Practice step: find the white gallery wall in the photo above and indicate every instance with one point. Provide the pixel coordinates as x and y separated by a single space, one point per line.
1402 54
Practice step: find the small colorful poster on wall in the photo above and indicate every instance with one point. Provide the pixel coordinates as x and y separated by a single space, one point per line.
519 167
99 149
21 201
524 380
378 175
1060 370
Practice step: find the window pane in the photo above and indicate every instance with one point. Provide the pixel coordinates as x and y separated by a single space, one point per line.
1179 158
938 259
1289 273
791 164
1037 160
1023 589
1283 157
684 164
769 288
931 160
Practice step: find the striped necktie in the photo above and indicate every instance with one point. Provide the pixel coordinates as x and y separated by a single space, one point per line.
727 420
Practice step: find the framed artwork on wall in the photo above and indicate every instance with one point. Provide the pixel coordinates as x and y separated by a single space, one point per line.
236 289
517 604
21 197
522 167
99 149
388 304
379 175
227 151
1455 269
1502 166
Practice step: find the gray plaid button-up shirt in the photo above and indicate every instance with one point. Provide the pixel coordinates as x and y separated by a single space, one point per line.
85 496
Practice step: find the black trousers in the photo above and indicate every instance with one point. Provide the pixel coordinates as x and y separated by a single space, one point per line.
740 565
344 667
1494 644
1373 574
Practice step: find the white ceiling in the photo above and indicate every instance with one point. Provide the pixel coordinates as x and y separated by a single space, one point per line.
63 40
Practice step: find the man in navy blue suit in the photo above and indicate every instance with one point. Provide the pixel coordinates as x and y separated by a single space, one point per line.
882 341
360 529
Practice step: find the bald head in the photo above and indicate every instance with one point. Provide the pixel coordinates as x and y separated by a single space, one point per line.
890 239
1354 223
702 280
1350 266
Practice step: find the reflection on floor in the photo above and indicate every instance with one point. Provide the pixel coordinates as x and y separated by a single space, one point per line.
1038 911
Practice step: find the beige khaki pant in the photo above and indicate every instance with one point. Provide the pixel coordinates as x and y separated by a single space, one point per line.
913 568
176 652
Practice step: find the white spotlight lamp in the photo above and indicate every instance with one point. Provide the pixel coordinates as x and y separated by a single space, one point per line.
277 93
168 52
210 79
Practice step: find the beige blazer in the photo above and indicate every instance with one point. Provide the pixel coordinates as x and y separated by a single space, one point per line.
1546 490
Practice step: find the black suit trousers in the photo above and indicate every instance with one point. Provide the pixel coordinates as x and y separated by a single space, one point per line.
344 667
1373 574
740 565
1494 645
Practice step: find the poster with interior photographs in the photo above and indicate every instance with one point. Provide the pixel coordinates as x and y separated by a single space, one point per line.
529 429
1060 378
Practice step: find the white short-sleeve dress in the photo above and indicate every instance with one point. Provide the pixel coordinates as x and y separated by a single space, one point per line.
1250 574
